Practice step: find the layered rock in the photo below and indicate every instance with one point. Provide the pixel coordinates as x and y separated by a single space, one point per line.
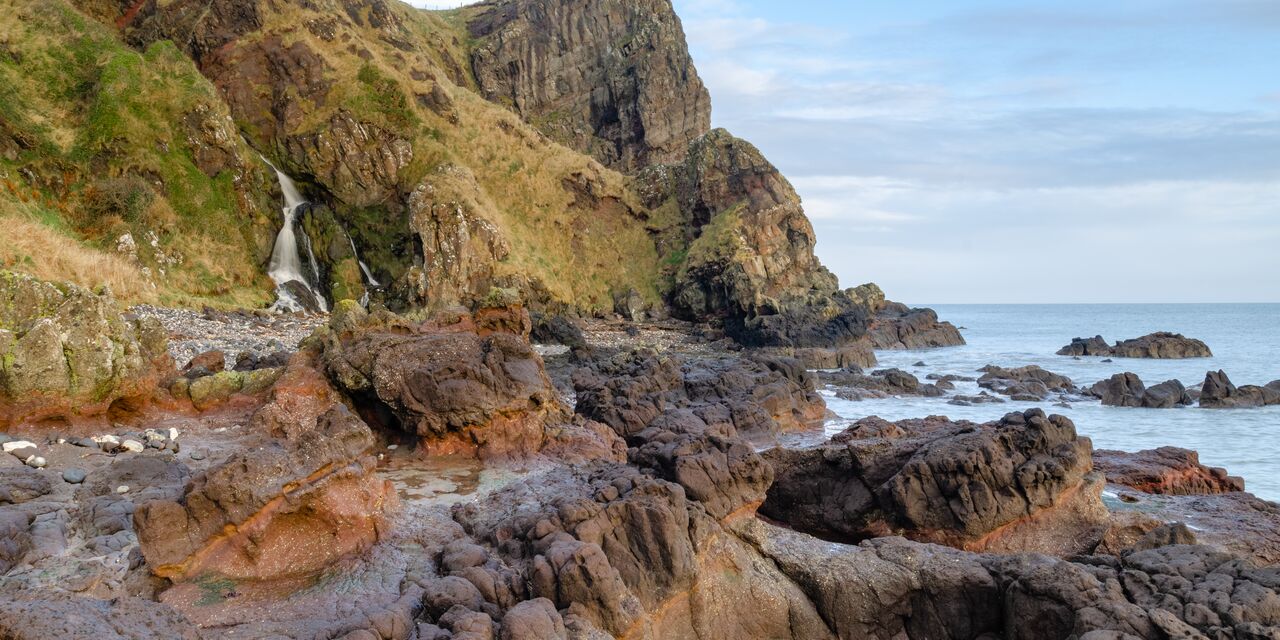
1165 471
1021 484
286 509
1127 390
1162 344
66 352
613 80
1218 392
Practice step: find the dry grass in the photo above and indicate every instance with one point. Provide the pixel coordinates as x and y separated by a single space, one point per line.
32 247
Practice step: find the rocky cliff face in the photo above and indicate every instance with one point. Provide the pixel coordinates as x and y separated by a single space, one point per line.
611 79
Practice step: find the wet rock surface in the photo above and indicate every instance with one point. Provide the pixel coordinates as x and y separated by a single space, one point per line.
1026 383
1168 471
1156 345
884 383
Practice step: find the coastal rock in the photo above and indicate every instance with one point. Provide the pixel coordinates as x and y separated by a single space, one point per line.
1127 390
1217 392
1162 344
66 352
747 249
59 615
896 326
884 383
614 81
1021 484
1166 471
757 396
1029 382
285 509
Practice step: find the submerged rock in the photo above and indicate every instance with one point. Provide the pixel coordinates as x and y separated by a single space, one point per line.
885 383
1025 383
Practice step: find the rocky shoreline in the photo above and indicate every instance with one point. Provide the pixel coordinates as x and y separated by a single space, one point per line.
648 481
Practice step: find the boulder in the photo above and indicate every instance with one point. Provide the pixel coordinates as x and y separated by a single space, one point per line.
286 509
1217 392
884 383
1166 471
67 352
1023 483
1162 344
1127 390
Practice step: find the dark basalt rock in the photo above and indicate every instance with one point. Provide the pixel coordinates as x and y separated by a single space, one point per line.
1218 393
957 483
1156 345
1167 470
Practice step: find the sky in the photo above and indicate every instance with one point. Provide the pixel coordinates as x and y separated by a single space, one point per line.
988 151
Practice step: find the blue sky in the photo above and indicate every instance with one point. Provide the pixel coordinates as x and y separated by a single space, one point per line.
996 151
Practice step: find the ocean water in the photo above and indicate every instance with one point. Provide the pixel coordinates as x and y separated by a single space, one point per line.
1245 340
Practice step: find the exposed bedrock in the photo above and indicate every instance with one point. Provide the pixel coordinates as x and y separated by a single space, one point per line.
636 390
1219 393
1162 344
463 384
1127 390
896 326
610 79
285 509
1023 483
67 353
1167 470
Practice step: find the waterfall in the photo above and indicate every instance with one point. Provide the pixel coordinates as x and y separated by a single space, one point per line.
368 275
286 262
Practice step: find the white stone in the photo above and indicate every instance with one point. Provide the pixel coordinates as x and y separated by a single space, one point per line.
133 445
109 439
155 434
124 488
37 462
10 447
173 433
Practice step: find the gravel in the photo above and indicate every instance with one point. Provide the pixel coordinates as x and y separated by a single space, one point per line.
194 332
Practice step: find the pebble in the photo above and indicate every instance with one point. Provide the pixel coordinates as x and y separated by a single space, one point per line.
74 475
393 447
37 462
153 435
14 445
122 489
84 442
132 445
197 455
107 439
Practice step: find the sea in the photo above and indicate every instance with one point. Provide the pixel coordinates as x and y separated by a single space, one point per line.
1244 338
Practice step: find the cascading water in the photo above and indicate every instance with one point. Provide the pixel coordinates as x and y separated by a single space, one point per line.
286 262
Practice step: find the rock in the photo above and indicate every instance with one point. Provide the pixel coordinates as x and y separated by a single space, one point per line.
210 391
74 475
132 446
616 82
879 384
1217 392
1127 390
49 614
858 354
535 619
895 326
1021 484
764 396
747 250
122 489
1167 471
18 445
1025 383
37 462
1156 345
209 362
66 352
19 484
286 509
554 329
